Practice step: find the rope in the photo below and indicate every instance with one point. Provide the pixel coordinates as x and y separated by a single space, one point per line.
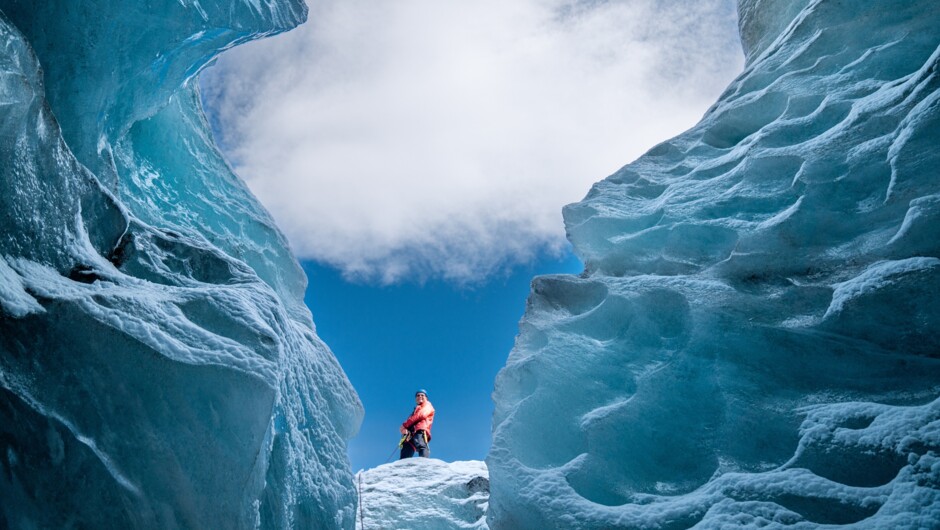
389 459
362 524
400 442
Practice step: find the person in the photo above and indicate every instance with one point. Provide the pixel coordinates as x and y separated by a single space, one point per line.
417 427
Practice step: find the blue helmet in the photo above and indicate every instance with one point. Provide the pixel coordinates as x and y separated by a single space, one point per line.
421 391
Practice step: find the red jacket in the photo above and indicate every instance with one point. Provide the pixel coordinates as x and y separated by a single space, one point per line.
421 419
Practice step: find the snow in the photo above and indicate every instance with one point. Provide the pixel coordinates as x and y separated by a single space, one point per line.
753 340
158 367
423 493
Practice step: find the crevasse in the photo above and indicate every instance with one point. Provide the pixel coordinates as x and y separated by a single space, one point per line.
158 368
753 341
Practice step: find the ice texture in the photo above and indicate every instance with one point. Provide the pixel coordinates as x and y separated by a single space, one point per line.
158 368
753 342
423 494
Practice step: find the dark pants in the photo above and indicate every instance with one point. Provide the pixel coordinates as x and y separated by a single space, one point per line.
416 443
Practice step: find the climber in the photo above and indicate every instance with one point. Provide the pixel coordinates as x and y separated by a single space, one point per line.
417 428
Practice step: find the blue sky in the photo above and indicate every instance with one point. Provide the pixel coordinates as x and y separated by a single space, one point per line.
450 340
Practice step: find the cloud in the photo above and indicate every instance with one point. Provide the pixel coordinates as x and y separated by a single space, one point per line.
417 139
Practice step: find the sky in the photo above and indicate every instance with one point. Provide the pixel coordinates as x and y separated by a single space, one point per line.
417 155
447 340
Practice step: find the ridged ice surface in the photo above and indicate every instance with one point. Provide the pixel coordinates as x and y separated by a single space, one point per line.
423 494
158 368
754 340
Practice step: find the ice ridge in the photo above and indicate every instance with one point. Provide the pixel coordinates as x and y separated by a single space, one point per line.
753 341
158 368
423 494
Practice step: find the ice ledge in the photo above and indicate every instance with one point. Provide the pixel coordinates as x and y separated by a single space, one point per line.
421 493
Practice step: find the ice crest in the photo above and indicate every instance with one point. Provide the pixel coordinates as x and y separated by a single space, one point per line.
753 341
423 494
158 368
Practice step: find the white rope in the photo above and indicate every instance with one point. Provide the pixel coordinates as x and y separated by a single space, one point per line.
362 524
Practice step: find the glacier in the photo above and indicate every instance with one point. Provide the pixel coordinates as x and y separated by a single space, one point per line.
753 342
158 367
423 494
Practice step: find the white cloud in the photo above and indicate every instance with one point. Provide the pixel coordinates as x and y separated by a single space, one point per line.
411 139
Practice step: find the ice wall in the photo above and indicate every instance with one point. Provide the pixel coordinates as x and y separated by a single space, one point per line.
158 368
754 340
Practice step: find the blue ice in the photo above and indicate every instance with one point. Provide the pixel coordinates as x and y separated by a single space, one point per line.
753 342
158 368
